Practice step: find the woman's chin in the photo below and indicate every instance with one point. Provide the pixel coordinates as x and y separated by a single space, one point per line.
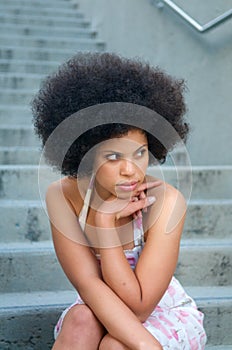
124 195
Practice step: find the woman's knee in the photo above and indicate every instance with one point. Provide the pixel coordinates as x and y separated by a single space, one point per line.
79 321
80 314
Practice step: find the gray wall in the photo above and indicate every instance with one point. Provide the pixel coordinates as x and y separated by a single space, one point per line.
138 28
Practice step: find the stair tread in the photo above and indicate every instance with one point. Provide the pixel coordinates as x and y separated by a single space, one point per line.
218 347
19 148
221 202
14 108
43 12
33 299
209 242
19 203
45 20
36 49
16 126
200 244
210 293
204 295
37 27
15 62
49 39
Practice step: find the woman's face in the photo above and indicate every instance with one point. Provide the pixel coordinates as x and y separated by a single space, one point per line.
121 164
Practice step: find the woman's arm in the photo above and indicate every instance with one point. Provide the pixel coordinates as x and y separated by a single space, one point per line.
142 289
82 269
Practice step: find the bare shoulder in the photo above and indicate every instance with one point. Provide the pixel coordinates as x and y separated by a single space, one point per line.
65 190
66 185
62 202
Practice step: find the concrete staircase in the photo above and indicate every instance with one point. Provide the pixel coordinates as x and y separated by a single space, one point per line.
34 38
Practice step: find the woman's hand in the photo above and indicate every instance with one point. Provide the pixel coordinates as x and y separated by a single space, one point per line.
114 208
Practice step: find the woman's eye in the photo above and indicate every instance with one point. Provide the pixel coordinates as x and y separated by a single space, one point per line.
112 156
141 153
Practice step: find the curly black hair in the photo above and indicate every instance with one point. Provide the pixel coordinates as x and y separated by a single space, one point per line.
89 79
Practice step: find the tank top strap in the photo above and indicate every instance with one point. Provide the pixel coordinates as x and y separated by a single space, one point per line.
84 211
138 232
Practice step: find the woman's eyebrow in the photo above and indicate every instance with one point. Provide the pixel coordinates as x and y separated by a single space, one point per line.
119 153
112 151
145 144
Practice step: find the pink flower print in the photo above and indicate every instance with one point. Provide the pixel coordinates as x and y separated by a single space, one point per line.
171 291
201 317
58 325
159 326
158 309
203 339
183 316
193 343
131 260
163 318
175 334
139 222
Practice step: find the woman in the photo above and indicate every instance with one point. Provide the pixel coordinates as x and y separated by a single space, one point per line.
116 230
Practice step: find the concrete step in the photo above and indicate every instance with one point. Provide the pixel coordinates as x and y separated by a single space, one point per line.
47 42
17 80
27 320
8 152
218 347
208 218
205 262
27 30
54 11
24 220
205 180
21 97
15 115
15 52
44 20
32 317
216 303
19 155
36 3
25 181
5 5
18 135
32 266
27 66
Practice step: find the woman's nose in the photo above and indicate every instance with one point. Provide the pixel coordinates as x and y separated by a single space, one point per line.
127 167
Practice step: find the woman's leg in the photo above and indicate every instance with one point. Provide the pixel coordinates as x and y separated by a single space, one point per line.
80 330
110 343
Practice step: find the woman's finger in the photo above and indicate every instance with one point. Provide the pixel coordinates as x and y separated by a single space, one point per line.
138 214
135 207
142 195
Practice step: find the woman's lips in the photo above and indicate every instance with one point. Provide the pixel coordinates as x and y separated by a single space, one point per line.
127 186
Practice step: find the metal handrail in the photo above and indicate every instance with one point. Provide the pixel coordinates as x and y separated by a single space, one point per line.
196 25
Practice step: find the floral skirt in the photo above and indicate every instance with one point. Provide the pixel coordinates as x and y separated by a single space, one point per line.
175 322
